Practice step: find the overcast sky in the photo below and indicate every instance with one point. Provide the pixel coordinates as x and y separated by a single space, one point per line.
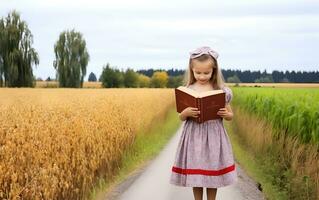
142 34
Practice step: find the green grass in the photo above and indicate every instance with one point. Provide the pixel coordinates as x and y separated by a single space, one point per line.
253 166
146 146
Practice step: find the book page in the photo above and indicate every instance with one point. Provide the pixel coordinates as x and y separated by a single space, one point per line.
189 91
199 94
209 93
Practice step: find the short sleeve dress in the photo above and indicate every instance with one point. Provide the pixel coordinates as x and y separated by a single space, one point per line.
204 156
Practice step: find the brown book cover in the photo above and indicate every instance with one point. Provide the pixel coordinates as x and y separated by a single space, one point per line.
208 102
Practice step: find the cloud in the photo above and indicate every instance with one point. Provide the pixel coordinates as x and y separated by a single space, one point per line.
259 34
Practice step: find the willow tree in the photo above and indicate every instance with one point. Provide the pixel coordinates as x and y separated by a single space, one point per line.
16 53
71 59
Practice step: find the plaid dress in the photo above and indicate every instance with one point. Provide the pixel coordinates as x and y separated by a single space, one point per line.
204 156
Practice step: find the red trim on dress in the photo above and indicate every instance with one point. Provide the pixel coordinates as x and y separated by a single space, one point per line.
204 172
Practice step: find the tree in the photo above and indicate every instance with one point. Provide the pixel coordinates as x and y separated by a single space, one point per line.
175 81
92 77
16 53
130 78
233 79
159 79
111 78
71 59
284 80
278 76
143 80
266 79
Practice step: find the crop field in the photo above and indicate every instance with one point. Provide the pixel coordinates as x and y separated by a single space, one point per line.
295 110
54 143
54 84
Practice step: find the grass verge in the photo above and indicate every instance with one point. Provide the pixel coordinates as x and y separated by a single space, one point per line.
252 165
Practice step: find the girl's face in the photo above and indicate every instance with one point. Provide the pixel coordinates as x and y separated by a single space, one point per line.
202 71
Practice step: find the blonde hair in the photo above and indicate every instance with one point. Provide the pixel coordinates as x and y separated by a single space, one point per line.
217 79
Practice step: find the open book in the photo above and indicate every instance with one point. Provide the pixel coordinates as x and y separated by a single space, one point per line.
208 102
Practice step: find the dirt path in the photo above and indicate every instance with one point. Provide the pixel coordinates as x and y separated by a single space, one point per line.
151 181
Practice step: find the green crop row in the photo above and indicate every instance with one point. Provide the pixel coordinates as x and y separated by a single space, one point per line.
294 110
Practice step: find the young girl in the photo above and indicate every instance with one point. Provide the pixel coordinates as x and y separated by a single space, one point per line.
204 155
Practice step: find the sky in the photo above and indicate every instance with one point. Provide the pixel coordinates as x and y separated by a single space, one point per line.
142 34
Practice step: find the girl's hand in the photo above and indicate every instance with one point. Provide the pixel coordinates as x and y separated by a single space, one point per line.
190 112
225 113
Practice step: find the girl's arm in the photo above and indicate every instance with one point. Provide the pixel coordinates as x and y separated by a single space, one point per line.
226 113
182 117
230 113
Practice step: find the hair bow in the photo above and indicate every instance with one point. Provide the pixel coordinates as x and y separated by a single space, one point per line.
203 50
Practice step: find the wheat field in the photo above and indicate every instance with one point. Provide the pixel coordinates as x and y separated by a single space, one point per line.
54 84
54 144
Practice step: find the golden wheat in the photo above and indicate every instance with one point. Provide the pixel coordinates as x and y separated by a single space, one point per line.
55 143
54 84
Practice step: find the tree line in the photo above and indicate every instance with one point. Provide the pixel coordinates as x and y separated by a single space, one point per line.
112 77
247 76
17 57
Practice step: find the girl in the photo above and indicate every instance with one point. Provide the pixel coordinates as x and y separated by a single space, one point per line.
204 155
